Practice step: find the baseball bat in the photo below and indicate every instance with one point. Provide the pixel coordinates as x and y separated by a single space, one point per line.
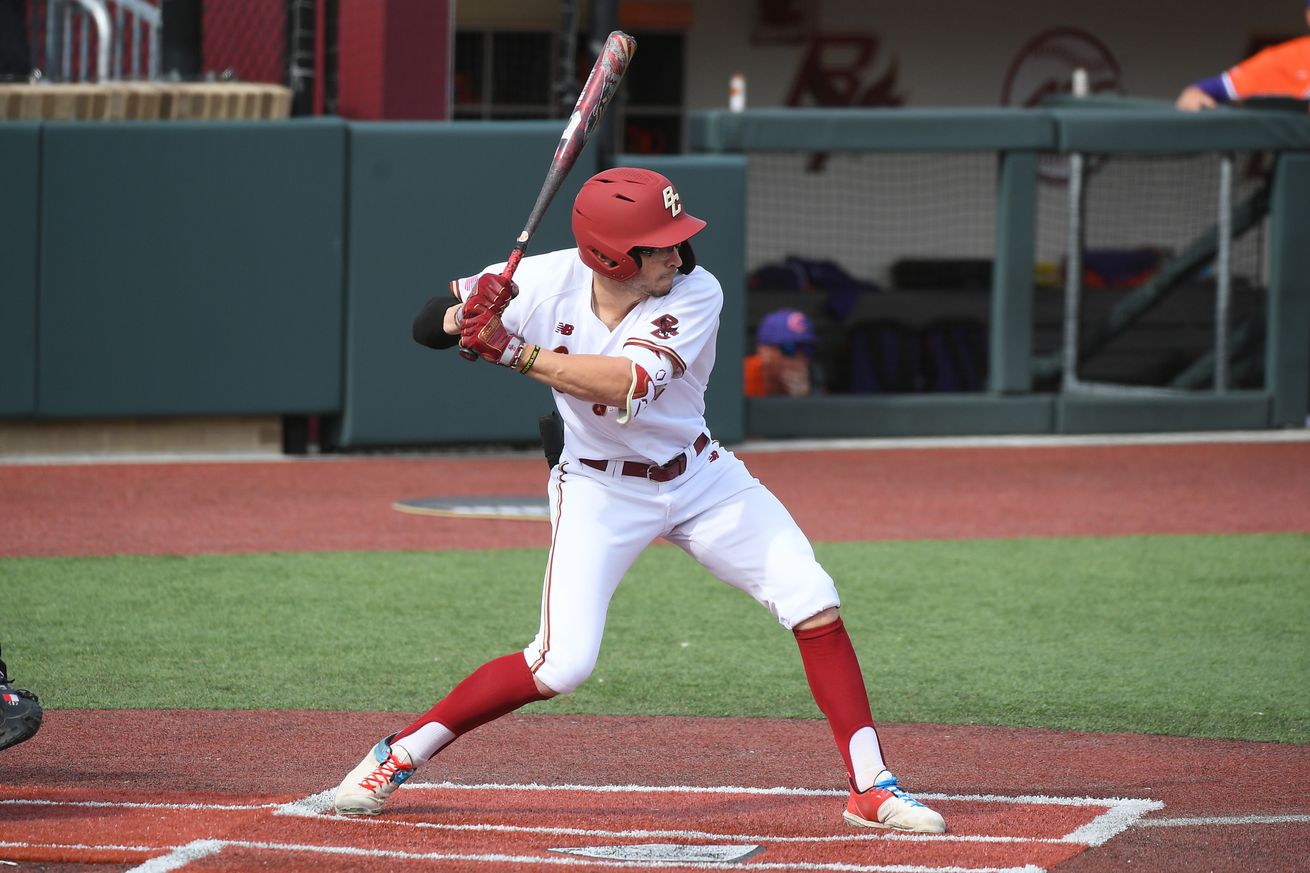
602 83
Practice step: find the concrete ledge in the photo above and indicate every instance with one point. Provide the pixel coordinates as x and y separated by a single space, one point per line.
144 101
253 434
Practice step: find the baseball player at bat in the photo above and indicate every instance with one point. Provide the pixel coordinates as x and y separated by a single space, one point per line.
623 329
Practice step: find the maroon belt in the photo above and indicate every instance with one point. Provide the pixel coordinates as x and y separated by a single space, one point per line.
654 472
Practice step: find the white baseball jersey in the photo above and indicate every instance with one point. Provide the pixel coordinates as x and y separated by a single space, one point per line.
671 337
603 516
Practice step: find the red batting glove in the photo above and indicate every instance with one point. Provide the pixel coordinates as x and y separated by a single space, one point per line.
492 294
484 334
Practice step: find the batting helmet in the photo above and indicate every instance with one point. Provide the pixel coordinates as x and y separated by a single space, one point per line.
625 208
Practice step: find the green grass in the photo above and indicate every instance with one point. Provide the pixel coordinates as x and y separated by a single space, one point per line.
1190 636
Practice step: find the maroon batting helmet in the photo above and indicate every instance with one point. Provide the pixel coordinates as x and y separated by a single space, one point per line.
626 208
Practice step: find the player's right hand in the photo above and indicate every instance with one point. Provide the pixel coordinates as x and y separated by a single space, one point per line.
492 294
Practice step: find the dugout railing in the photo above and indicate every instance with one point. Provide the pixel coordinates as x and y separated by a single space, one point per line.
1020 396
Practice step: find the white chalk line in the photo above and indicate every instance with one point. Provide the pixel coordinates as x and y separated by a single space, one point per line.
632 833
1120 814
78 847
181 856
567 861
1026 799
1207 821
132 804
175 858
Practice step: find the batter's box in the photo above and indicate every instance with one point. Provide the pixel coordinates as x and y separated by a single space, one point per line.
753 827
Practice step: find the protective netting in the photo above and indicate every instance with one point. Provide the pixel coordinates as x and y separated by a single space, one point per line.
866 210
1163 202
921 227
1140 211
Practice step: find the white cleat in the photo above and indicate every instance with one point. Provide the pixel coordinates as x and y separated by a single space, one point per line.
886 805
368 786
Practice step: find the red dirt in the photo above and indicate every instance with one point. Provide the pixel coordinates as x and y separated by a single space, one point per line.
254 757
345 503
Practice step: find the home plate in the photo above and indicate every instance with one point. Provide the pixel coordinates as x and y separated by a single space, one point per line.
665 853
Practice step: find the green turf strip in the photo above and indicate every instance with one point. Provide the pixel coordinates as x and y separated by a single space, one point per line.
1192 636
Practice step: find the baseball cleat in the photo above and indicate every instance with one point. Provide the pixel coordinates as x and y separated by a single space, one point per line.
368 786
886 805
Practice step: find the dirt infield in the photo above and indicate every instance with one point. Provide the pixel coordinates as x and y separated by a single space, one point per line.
346 503
122 788
224 791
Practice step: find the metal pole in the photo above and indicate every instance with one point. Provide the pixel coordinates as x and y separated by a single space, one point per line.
1224 269
1073 277
96 9
51 66
116 55
66 49
83 46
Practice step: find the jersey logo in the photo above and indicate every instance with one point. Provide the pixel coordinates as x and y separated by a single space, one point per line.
666 326
564 328
671 203
563 350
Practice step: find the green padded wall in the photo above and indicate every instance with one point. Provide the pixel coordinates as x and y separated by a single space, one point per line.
20 145
430 203
714 189
1287 350
191 269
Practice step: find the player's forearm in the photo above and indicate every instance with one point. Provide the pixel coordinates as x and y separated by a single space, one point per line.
434 325
449 324
594 378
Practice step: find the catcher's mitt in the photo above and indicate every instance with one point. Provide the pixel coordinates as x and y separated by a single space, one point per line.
21 711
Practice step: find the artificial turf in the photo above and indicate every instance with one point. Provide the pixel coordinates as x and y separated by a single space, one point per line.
1205 636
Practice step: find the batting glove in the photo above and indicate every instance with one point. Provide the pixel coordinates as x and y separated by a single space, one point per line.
492 294
485 335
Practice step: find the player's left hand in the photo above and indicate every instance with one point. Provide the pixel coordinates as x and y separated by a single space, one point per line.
485 335
492 293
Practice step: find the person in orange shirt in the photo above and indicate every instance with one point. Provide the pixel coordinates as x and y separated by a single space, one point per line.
784 346
1282 70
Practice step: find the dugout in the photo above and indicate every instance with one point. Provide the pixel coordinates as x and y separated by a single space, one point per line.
963 231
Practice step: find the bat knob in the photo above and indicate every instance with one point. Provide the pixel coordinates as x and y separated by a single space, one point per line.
468 354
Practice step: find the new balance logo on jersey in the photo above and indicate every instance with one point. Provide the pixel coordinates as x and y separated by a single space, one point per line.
564 328
666 326
671 203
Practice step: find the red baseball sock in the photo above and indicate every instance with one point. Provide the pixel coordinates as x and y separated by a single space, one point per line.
494 689
838 687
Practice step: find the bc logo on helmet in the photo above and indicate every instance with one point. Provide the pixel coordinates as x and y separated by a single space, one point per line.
671 201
